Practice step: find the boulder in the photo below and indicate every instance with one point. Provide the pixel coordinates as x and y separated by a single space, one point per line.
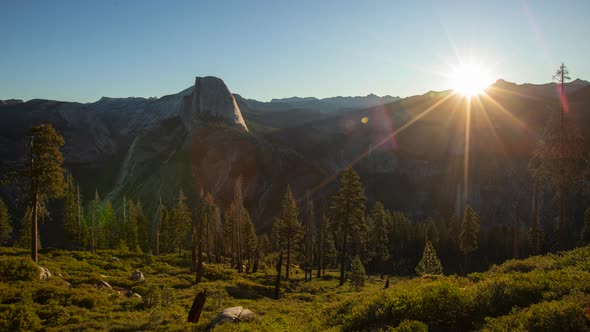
44 273
137 276
233 314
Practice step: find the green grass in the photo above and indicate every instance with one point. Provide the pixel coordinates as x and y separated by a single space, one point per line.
537 294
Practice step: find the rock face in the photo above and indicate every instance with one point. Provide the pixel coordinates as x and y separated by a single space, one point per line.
233 314
211 98
137 276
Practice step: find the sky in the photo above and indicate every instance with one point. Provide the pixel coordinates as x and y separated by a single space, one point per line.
83 50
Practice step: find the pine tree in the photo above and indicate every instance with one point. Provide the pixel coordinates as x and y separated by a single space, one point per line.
5 224
239 213
558 159
228 231
469 234
515 233
93 219
308 236
143 229
163 233
181 221
432 233
106 226
378 238
289 228
536 234
131 226
429 264
250 247
70 215
585 235
44 171
347 213
357 274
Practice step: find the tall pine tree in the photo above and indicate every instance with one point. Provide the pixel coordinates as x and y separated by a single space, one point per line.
44 171
469 234
347 213
181 222
288 228
378 238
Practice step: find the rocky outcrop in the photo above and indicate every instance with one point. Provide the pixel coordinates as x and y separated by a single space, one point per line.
211 99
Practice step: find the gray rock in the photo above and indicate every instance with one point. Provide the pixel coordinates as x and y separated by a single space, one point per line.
137 276
44 273
233 314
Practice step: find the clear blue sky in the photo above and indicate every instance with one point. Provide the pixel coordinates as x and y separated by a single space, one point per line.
82 50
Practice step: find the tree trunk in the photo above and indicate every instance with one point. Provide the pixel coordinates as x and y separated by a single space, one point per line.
288 258
34 230
194 257
157 243
515 227
239 248
343 261
199 267
256 258
278 279
197 307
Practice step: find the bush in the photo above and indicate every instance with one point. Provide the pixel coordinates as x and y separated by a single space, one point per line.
410 326
18 318
22 269
216 272
562 315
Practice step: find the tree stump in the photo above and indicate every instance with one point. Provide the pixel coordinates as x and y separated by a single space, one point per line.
197 308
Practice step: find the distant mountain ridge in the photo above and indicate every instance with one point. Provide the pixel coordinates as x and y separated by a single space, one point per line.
204 137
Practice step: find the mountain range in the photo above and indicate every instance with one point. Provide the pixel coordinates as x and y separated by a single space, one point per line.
410 152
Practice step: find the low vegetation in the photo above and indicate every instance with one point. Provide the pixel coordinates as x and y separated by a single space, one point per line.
541 293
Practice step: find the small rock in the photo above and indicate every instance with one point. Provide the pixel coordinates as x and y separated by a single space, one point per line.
103 284
44 273
137 276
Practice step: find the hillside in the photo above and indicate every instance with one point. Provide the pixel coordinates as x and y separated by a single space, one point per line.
541 293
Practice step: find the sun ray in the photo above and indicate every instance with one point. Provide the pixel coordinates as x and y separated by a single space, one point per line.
507 112
381 142
466 151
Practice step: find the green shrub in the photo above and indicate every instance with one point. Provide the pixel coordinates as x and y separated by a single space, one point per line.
18 318
22 269
216 272
410 326
563 315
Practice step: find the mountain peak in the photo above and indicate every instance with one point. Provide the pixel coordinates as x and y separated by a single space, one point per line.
210 97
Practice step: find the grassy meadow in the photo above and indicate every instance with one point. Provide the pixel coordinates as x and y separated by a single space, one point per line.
542 293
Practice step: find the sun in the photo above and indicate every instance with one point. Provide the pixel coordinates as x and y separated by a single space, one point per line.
470 79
